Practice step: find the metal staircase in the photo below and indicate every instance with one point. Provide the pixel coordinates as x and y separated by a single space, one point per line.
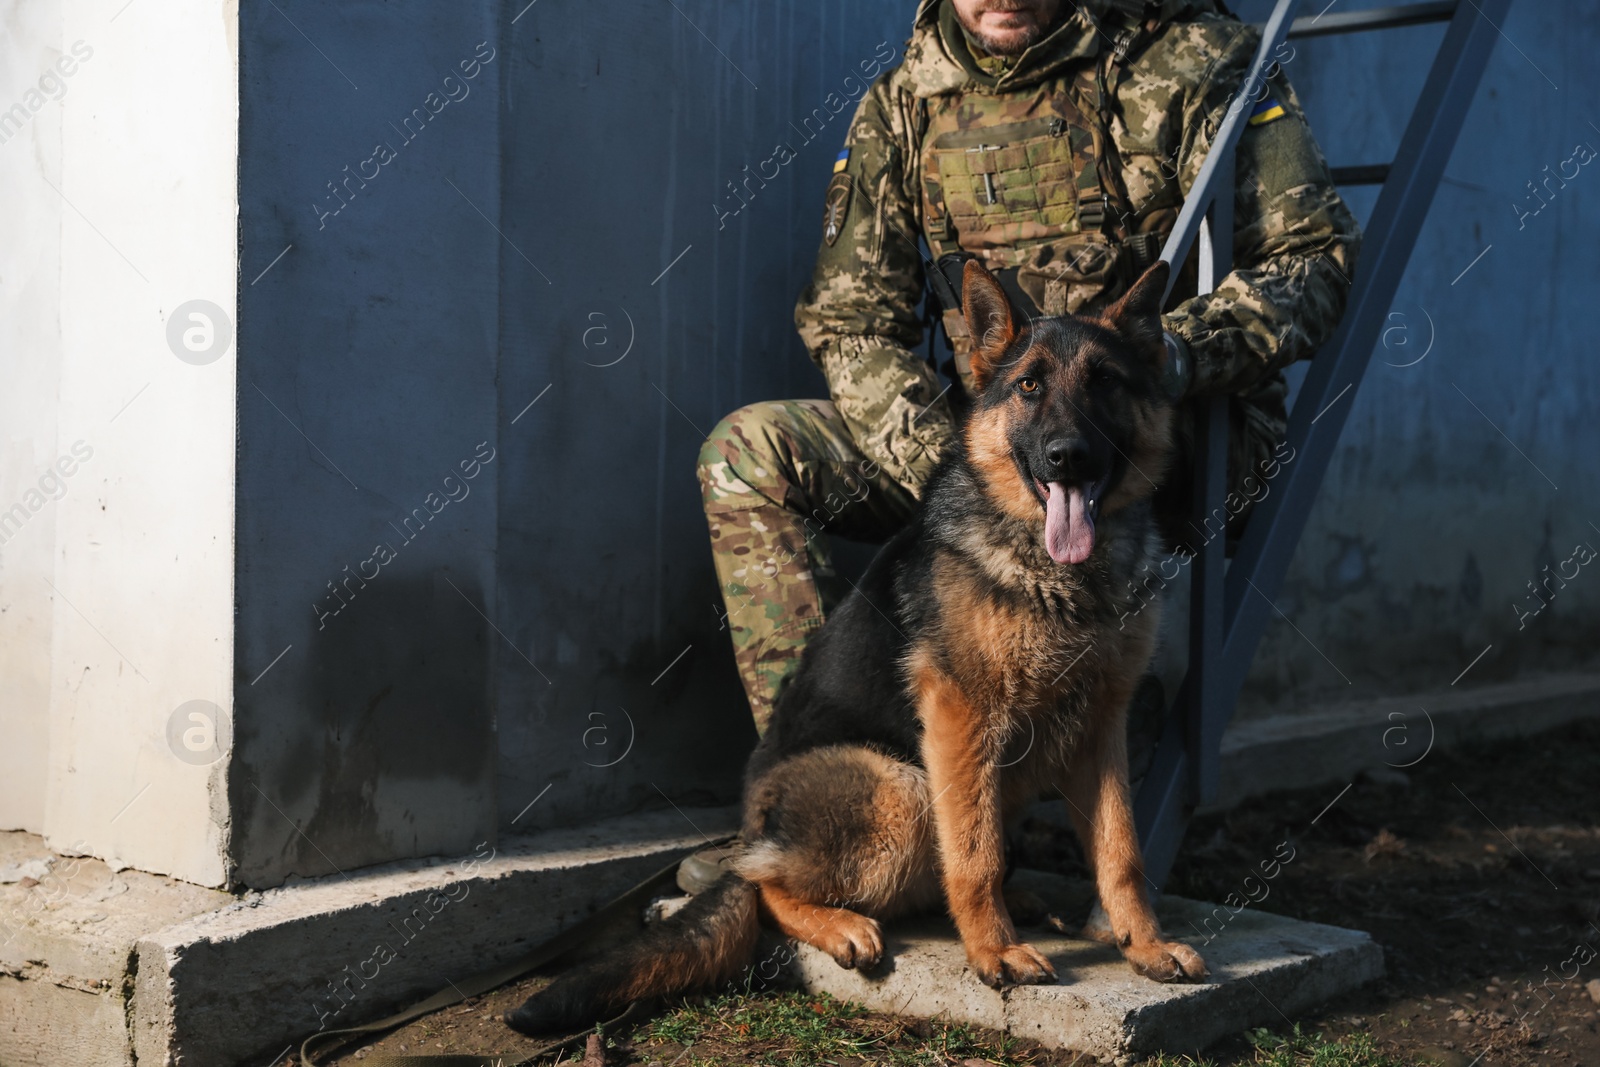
1230 602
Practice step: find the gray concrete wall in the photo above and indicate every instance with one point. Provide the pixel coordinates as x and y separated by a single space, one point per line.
1467 465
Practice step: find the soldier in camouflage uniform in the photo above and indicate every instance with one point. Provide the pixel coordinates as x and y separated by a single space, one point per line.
1063 169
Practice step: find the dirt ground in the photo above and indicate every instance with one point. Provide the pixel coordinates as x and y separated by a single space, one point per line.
1477 870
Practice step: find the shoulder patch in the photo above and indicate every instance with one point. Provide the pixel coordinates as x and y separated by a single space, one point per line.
1266 111
842 162
835 206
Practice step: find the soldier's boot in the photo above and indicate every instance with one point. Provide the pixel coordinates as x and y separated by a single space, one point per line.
701 869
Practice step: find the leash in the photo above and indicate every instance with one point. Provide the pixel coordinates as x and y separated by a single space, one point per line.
559 945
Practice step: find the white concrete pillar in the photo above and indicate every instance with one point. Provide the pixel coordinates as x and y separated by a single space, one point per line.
30 334
124 583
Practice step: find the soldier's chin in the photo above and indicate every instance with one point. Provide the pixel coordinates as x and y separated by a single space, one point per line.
1010 35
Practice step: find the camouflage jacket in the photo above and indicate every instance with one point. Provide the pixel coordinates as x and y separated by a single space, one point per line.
1295 241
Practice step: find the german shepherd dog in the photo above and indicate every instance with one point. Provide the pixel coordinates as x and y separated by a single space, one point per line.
978 667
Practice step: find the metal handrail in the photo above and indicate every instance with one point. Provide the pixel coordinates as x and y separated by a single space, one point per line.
1378 18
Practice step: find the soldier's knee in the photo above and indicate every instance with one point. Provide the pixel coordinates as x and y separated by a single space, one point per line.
736 455
711 448
752 432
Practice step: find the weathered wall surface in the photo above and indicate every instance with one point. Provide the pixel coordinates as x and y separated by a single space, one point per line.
1467 466
368 456
557 266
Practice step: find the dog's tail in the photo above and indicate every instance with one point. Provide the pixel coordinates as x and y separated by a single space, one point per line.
708 941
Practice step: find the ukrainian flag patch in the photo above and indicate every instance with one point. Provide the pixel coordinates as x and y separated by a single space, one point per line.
1265 112
842 162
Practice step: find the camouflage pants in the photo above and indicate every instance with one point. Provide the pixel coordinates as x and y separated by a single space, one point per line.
778 478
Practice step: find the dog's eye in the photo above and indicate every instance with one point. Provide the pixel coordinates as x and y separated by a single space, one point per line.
1028 385
1102 373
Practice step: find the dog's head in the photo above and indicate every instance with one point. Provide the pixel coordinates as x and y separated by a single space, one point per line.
1070 421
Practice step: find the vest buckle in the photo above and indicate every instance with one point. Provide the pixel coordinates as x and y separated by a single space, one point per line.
1092 211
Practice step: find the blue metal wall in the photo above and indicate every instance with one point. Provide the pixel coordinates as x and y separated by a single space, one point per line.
652 301
514 253
1467 466
555 267
368 356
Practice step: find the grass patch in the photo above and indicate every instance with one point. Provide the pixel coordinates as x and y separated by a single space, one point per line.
811 1031
808 1030
1302 1050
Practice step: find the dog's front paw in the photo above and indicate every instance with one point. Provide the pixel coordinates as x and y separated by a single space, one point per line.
1018 964
854 941
1166 961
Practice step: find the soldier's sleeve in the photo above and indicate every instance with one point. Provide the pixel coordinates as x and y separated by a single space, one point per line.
1295 241
858 316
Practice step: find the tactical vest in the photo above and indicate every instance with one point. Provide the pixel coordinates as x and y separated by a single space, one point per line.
1028 181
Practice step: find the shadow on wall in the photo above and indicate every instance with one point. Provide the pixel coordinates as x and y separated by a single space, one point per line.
398 707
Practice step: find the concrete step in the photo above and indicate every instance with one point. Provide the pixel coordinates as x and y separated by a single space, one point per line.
68 926
1264 969
125 967
1332 743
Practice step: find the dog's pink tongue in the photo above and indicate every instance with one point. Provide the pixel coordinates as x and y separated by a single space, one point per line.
1068 529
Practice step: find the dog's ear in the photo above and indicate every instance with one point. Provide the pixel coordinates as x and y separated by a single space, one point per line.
990 320
1137 314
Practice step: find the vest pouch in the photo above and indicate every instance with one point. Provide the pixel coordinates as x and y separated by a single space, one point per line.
995 187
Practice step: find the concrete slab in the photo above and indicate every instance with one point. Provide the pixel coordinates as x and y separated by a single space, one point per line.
42 1022
1264 969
